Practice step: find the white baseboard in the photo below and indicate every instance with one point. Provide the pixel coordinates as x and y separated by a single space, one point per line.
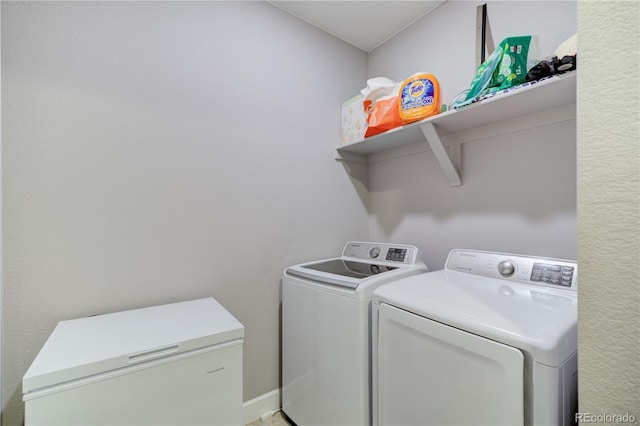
267 403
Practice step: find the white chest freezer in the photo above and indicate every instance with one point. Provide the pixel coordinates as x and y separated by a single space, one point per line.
175 364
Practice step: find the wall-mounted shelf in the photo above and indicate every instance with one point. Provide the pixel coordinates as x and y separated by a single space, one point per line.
548 94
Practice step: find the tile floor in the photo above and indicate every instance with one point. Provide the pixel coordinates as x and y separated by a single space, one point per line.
277 419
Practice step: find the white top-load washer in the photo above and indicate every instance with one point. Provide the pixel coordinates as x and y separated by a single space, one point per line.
326 331
179 363
489 340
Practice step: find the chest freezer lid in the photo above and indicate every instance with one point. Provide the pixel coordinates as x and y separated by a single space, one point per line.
86 346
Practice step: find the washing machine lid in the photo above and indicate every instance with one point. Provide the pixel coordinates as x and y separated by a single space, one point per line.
340 271
87 346
540 321
362 262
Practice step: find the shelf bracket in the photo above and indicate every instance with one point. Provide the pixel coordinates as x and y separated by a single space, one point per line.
449 170
349 157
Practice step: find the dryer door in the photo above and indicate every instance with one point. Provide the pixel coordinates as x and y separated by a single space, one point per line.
428 373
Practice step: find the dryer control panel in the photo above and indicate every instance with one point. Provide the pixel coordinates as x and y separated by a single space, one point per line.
548 272
382 252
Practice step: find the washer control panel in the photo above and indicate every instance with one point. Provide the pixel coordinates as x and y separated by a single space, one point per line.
542 271
382 252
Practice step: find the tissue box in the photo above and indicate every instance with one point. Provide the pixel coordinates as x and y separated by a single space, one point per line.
354 121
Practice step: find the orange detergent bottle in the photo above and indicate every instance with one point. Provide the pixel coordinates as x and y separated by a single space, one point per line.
419 97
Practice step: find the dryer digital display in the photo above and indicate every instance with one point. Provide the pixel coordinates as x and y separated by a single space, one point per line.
552 274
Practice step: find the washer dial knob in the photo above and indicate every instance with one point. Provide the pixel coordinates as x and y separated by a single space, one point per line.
506 268
374 252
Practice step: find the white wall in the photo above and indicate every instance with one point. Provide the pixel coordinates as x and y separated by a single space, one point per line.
155 152
609 212
518 192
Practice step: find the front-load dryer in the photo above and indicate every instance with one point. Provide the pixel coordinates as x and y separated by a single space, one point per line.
489 340
326 330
